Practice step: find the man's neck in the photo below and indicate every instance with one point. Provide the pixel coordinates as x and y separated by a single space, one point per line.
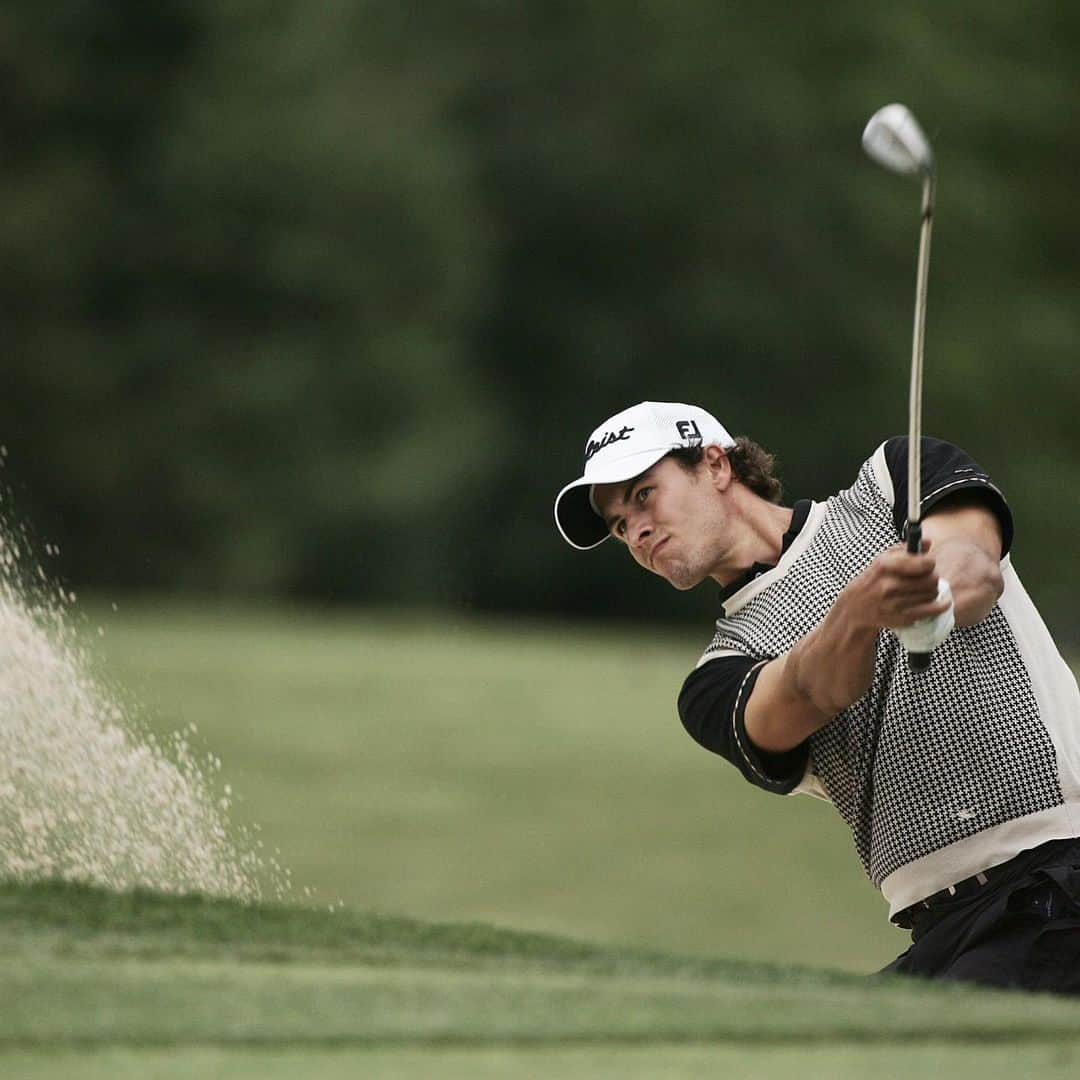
761 538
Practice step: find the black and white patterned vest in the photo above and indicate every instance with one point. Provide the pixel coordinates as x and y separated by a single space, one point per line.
938 774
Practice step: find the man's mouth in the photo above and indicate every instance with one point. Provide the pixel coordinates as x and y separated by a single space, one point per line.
655 548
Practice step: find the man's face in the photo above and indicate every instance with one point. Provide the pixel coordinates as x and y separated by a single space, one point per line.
670 517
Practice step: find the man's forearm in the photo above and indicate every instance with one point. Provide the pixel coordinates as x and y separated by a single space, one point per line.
974 577
965 541
833 666
800 692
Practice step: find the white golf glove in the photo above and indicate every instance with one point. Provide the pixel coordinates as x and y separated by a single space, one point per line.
927 634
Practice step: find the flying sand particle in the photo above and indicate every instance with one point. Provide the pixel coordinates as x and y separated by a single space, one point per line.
85 794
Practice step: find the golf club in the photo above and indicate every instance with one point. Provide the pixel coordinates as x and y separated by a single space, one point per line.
893 138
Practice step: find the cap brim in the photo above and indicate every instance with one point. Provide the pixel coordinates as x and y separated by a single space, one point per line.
580 525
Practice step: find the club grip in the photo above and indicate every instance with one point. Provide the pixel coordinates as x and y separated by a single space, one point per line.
917 661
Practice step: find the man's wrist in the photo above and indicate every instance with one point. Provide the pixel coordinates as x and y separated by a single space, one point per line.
850 613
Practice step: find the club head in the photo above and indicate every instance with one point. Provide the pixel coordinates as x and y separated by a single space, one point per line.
893 138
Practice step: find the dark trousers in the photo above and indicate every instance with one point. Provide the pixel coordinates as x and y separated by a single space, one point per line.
1020 929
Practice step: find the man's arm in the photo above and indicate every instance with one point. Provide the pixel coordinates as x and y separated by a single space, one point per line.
832 667
967 544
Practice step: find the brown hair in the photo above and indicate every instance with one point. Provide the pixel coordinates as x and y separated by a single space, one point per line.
752 464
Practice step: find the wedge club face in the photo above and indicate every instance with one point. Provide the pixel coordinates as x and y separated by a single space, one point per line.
893 138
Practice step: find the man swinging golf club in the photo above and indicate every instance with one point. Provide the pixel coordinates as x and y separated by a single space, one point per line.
914 686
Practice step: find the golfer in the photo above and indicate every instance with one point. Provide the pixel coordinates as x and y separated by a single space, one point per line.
960 784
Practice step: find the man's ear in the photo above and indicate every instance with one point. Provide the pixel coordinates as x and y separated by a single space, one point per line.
718 465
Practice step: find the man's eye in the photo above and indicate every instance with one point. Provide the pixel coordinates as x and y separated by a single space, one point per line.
620 528
642 494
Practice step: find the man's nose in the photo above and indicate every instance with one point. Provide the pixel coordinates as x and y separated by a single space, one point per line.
640 530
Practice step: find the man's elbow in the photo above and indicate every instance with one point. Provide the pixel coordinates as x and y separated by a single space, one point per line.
979 597
979 603
691 724
698 718
786 709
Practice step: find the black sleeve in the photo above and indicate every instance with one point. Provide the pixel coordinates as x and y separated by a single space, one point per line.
712 707
947 473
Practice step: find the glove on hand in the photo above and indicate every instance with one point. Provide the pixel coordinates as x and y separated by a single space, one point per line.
927 634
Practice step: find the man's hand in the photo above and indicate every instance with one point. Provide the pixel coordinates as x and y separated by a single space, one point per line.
927 634
897 590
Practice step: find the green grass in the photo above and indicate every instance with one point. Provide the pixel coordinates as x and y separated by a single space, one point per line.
505 792
146 985
528 775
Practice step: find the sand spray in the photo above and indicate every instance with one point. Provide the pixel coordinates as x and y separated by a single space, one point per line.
86 794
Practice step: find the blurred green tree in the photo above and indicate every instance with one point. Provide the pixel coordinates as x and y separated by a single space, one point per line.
320 300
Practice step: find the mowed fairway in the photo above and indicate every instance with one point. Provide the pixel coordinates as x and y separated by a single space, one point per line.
100 985
454 776
531 776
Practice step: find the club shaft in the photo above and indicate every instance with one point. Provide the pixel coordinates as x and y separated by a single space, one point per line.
914 513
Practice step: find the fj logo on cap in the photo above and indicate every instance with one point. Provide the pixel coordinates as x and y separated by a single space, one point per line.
689 431
609 437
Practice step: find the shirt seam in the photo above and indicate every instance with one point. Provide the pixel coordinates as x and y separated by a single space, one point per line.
981 481
927 501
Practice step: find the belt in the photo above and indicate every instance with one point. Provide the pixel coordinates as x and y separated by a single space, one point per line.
962 889
967 888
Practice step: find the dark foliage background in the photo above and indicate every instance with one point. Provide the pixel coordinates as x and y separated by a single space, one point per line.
321 300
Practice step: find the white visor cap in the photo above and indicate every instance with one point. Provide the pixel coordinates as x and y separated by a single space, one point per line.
624 447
